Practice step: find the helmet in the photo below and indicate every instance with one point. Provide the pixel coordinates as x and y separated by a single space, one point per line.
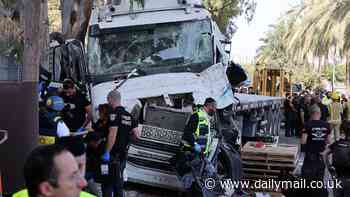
55 103
335 96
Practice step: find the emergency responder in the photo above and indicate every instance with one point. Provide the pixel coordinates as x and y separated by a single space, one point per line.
327 99
196 142
51 123
335 113
51 170
315 137
197 133
77 113
340 152
121 127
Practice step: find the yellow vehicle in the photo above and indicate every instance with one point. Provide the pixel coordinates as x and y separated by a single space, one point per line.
272 81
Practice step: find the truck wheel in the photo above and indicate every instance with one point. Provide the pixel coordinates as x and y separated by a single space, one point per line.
228 165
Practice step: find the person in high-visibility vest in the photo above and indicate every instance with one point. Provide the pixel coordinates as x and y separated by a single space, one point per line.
327 99
24 193
335 111
51 170
198 134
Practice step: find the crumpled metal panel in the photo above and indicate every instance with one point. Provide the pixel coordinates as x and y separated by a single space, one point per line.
212 82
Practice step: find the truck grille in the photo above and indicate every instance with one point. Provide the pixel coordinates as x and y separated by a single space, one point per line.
155 148
164 136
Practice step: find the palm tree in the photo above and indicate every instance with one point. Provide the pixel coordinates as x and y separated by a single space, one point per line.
321 31
273 52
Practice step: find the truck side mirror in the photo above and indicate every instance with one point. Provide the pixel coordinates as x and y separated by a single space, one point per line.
236 74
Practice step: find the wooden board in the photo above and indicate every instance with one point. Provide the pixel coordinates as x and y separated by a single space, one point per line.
268 161
281 151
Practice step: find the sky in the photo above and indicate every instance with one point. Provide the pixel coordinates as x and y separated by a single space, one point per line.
245 41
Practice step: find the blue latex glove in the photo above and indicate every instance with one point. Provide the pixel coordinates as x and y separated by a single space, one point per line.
81 129
106 156
197 148
40 87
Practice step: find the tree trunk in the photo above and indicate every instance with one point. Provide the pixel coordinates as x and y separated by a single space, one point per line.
75 18
347 75
44 32
32 51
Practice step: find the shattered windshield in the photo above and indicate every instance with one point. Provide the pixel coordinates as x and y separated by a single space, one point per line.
160 45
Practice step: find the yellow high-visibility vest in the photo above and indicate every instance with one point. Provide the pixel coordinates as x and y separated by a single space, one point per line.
335 111
24 193
326 101
204 123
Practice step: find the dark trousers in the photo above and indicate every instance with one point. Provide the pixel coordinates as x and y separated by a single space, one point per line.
114 187
291 124
313 170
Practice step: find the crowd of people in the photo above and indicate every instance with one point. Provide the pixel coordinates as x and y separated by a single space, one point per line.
322 122
334 109
75 153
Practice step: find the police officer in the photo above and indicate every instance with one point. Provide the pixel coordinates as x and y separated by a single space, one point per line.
122 126
51 123
197 134
340 152
77 113
315 137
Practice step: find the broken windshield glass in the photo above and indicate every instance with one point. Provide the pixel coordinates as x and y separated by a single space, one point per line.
151 46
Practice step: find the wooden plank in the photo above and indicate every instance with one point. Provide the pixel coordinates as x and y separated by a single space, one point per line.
268 159
281 151
268 164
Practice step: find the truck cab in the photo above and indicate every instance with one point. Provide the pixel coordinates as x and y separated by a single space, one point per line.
164 57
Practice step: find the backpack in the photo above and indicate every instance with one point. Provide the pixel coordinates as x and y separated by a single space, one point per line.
341 154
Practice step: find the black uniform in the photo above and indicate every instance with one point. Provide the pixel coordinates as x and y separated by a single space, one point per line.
101 128
74 115
125 123
341 161
122 119
190 129
313 168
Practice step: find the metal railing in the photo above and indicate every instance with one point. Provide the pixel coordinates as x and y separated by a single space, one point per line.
10 72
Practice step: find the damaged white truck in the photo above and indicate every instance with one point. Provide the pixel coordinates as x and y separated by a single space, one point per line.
164 57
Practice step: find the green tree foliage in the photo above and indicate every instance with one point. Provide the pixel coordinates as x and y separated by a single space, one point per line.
273 52
54 15
322 31
307 37
223 10
340 71
11 41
